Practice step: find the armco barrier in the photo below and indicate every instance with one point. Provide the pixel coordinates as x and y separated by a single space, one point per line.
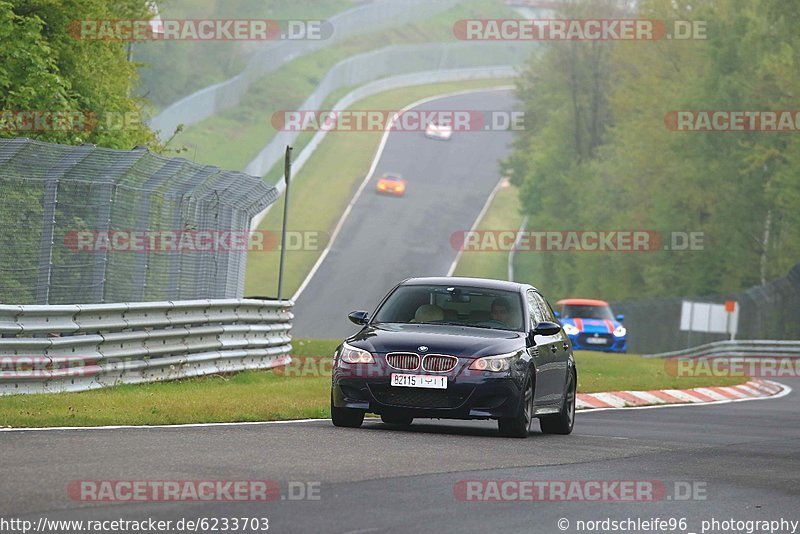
360 20
271 151
751 348
421 63
81 347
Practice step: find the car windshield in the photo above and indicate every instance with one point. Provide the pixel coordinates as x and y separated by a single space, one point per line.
391 177
584 311
459 305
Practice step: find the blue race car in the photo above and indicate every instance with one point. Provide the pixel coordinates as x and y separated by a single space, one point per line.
590 325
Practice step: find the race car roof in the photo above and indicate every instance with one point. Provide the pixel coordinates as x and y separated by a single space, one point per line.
583 302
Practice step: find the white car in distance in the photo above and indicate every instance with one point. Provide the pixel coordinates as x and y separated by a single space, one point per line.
439 131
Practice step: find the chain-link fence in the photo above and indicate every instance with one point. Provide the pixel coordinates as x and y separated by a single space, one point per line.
92 225
771 311
269 58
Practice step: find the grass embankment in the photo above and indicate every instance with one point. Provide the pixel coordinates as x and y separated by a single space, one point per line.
297 392
503 214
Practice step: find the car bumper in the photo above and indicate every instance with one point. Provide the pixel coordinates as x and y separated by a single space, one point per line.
476 395
395 192
614 344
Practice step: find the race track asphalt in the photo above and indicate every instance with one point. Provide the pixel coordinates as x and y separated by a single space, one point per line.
743 457
386 239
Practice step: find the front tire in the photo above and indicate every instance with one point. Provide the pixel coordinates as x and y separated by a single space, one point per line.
519 426
346 417
564 421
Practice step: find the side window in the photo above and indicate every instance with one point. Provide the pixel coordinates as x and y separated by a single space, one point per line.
546 312
534 310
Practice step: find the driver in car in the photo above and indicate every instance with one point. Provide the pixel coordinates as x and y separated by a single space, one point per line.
501 311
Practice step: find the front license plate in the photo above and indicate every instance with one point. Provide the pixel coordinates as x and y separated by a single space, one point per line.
596 340
419 381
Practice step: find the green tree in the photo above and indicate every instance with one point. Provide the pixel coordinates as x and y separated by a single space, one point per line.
45 68
598 155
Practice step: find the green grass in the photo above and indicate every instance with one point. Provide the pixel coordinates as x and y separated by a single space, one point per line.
503 214
325 184
231 139
302 391
598 371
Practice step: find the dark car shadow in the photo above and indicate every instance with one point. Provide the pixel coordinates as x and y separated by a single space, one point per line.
481 429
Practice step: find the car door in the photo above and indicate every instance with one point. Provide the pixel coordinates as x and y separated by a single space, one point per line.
541 353
560 347
551 354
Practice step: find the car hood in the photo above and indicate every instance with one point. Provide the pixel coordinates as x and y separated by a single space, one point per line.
592 326
460 341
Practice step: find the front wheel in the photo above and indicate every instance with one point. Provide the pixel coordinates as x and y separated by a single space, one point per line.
346 417
519 426
564 420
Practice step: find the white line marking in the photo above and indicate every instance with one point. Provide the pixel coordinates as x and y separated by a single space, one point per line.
475 224
785 391
145 427
385 139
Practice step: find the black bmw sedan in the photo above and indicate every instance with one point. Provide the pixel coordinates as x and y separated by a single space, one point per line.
457 348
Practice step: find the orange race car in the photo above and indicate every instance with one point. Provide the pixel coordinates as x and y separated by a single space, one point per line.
391 184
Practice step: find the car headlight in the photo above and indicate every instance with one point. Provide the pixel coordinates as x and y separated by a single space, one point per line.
495 364
351 354
620 331
571 330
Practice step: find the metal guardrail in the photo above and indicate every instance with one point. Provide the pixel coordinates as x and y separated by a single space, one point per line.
752 348
360 20
81 347
372 88
422 63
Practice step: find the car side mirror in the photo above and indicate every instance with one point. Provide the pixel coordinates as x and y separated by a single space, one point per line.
620 317
358 317
545 328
